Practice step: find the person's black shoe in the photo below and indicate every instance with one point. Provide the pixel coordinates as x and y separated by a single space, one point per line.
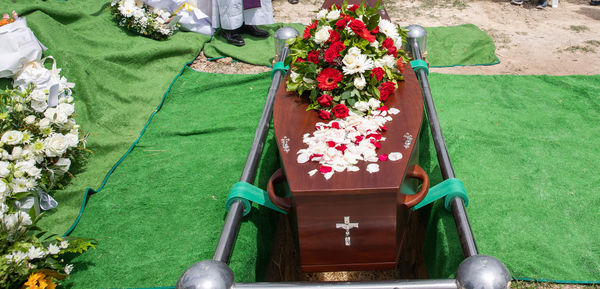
595 2
233 37
254 31
293 1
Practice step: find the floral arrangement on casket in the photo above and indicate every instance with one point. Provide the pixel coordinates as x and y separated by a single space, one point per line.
346 64
143 19
39 140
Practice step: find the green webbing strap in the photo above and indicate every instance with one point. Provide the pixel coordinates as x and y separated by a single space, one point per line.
247 193
447 189
419 64
278 66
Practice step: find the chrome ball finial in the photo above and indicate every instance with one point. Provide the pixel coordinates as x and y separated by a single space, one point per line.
284 33
420 35
207 274
482 272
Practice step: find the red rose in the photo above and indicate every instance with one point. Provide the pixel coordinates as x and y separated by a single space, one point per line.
393 51
341 24
313 56
375 30
328 78
324 115
353 8
325 100
333 36
300 59
340 111
388 43
357 26
334 51
377 73
385 90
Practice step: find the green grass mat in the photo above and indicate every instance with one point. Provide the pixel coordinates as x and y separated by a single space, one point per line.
120 78
257 51
446 46
526 148
459 45
164 207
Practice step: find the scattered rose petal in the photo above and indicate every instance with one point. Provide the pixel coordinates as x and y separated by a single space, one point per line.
372 168
331 144
395 156
302 158
335 124
313 172
383 157
325 169
394 110
328 175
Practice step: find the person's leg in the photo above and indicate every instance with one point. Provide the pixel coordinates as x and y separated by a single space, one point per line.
262 15
231 18
541 4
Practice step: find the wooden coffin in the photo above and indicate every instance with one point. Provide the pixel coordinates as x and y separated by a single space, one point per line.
355 220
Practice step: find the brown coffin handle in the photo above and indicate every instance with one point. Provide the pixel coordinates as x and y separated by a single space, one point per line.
282 203
415 171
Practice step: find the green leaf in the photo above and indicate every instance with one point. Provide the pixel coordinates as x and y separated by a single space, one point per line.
346 94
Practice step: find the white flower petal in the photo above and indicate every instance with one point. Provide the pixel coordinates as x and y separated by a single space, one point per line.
311 173
372 168
395 156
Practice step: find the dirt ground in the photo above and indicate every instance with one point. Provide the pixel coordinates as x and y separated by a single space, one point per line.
554 41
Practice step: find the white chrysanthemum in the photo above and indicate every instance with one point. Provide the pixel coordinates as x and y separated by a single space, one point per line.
4 169
19 218
12 137
127 8
19 185
358 64
388 28
35 253
53 249
322 35
333 14
15 257
56 145
321 14
359 82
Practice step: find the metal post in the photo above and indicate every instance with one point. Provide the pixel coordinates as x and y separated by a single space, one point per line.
465 234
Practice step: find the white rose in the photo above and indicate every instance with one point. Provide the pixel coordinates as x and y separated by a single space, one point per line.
56 145
359 82
63 165
12 137
355 51
4 169
39 106
321 14
44 123
18 107
361 106
374 103
389 61
30 119
66 108
39 95
16 154
322 35
72 139
55 115
334 14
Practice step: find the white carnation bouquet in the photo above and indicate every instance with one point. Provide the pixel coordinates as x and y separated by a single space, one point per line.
143 19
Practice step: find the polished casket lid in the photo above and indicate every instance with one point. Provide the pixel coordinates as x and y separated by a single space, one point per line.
292 121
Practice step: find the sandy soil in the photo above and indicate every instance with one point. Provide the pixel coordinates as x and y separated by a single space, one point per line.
554 41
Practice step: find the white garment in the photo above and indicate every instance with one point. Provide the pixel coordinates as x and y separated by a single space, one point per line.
193 17
18 46
230 14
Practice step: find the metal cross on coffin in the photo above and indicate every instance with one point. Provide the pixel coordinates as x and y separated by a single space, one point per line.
346 226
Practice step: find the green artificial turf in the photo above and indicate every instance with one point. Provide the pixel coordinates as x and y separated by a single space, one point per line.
526 148
119 79
459 45
164 207
446 46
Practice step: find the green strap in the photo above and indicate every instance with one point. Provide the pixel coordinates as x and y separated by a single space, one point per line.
447 189
419 64
247 193
278 66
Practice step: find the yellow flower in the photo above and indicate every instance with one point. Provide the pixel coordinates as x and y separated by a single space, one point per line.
39 281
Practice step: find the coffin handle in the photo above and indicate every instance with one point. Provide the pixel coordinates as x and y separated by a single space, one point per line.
282 203
415 171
